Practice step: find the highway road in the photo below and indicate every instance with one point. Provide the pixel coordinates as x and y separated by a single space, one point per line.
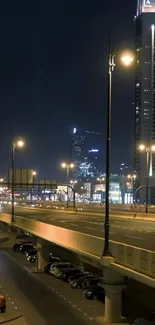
131 232
38 304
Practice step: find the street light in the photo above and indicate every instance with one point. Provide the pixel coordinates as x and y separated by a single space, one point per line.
148 150
19 144
132 178
100 179
73 182
34 173
126 59
67 166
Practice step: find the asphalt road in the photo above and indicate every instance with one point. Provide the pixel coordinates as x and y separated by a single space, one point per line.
131 232
38 304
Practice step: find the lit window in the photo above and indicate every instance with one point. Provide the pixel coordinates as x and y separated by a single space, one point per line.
147 62
146 90
137 84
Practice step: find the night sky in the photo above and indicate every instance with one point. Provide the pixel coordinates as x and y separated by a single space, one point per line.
53 74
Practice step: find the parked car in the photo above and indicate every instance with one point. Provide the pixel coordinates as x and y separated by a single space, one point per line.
16 247
47 267
70 272
78 276
78 282
2 304
58 269
32 258
95 292
24 248
90 282
143 321
32 252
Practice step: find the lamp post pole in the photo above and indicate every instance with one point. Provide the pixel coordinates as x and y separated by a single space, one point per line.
13 180
147 179
67 169
108 153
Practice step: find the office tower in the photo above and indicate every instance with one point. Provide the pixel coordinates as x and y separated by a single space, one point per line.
86 153
144 104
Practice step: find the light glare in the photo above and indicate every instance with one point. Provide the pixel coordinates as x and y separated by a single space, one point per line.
63 165
127 59
20 143
142 147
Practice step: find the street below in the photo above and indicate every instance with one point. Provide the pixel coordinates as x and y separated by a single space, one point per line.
34 300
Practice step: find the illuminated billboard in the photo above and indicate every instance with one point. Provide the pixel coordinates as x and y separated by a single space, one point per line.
145 6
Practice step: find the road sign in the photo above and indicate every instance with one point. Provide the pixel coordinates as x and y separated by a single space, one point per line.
23 178
47 184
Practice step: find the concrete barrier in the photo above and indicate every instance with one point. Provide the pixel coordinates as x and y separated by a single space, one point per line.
5 217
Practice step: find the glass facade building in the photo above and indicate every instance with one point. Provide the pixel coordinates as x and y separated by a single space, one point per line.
86 153
144 103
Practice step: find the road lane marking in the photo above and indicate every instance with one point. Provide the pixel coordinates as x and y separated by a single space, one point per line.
90 228
74 224
134 237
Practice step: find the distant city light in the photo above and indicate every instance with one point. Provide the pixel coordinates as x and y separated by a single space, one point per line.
74 130
94 150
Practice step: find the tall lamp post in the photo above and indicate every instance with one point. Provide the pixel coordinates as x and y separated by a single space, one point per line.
126 59
16 144
34 173
148 150
132 178
67 166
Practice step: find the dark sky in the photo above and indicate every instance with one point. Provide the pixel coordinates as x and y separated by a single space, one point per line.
53 74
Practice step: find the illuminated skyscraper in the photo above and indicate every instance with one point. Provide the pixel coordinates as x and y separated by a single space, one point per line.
144 104
86 153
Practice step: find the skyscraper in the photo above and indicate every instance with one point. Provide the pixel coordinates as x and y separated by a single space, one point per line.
86 153
144 104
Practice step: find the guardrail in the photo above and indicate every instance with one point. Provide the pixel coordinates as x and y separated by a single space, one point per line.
137 259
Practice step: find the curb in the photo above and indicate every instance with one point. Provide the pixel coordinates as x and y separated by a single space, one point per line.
10 320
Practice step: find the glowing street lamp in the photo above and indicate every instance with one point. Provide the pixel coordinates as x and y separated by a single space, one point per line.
148 150
100 179
127 60
73 182
67 166
18 144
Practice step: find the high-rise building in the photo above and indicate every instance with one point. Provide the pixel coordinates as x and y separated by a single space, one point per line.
144 104
86 153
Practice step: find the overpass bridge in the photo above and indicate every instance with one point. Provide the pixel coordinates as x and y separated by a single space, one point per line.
127 260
